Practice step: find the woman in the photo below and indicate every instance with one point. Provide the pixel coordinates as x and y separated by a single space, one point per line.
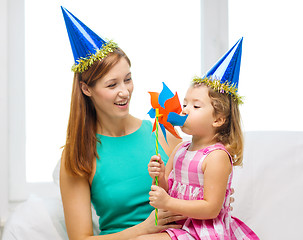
107 150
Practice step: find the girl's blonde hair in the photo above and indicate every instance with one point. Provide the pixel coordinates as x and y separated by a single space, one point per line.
230 133
80 147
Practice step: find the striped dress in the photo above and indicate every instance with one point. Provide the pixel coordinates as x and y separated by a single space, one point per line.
186 182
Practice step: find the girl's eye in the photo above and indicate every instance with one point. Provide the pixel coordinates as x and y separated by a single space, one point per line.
184 106
196 106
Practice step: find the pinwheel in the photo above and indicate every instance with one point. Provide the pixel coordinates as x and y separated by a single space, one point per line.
165 109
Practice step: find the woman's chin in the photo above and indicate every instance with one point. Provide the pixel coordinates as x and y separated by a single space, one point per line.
122 112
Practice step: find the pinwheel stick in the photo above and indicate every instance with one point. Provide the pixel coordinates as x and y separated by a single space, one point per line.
157 147
169 105
157 139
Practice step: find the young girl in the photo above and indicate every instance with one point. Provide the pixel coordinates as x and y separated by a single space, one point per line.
198 174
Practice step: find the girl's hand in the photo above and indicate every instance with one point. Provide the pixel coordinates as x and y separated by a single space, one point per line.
166 219
156 167
158 197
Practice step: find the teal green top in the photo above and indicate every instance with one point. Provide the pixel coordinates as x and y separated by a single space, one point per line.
121 185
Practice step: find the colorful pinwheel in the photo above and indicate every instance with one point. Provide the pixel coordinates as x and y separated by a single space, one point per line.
169 108
165 109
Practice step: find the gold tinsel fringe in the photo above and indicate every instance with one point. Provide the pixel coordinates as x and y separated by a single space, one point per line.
85 62
225 87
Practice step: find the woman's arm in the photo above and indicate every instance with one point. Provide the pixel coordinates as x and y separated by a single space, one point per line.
75 193
216 168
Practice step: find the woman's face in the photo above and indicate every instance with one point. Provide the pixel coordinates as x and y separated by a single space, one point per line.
112 93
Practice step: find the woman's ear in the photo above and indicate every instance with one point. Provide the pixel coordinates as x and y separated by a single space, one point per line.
85 89
219 121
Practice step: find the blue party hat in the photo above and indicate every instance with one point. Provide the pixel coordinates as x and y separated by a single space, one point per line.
86 45
224 75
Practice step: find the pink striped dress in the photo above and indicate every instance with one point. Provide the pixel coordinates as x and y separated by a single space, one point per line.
186 182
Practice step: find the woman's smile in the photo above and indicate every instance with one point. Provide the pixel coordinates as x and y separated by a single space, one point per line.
122 104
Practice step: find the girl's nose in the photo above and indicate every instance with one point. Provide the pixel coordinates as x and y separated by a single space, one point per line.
184 111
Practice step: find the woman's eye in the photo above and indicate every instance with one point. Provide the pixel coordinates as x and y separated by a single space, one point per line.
128 79
196 106
111 85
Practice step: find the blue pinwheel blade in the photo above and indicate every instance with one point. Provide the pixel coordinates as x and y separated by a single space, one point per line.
175 119
163 130
164 95
152 113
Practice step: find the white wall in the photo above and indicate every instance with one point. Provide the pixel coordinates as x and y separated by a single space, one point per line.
214 18
12 108
3 110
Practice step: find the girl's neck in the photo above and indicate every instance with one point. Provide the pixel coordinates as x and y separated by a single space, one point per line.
118 127
201 142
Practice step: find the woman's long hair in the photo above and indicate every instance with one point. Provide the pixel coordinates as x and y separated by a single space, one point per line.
80 147
230 133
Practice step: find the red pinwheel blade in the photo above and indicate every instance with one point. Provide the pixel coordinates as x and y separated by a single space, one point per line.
154 99
171 129
155 126
173 104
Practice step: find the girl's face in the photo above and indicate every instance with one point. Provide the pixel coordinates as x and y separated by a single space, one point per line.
112 93
197 104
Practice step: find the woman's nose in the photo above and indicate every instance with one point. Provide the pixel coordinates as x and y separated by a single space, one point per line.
123 91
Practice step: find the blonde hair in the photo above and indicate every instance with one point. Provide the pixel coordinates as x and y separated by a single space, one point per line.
230 133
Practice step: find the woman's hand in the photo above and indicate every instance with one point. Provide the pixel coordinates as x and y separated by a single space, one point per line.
156 167
166 219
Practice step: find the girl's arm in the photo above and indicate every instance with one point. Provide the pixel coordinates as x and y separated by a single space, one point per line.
171 143
75 193
169 148
156 167
216 168
169 165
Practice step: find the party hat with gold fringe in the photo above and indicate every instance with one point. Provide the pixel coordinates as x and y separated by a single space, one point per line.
86 45
224 75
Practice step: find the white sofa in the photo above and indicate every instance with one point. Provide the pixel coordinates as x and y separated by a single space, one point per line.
269 191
